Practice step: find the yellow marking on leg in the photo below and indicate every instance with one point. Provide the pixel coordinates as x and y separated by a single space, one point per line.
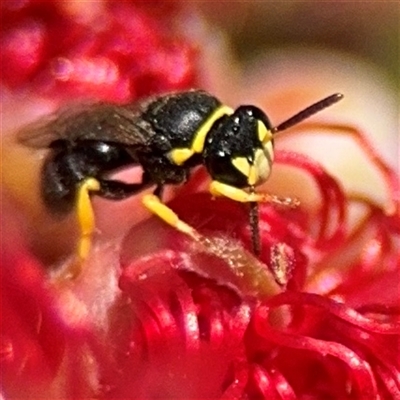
86 215
240 195
233 193
154 205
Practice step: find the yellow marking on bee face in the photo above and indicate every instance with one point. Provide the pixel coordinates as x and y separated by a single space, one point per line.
258 171
179 156
253 175
242 164
264 134
262 164
269 150
200 137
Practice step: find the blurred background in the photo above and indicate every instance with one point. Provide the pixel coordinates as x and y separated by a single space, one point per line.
370 30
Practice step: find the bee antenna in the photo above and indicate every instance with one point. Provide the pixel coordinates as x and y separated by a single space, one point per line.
308 112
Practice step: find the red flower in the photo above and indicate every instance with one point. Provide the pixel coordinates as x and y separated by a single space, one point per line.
104 50
154 314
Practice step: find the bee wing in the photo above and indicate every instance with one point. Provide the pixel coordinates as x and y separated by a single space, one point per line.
38 134
99 121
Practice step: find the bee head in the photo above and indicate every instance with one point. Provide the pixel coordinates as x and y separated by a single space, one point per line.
239 148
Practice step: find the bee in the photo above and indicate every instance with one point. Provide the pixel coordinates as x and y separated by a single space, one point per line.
168 136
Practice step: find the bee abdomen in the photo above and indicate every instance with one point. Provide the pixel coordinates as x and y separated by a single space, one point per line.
59 182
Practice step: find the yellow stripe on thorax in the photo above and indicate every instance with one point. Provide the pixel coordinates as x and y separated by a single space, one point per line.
200 137
181 155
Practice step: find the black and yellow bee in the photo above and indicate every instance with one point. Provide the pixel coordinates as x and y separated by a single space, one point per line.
167 136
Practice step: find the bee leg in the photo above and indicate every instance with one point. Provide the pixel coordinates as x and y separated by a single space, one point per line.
218 189
254 227
117 190
159 191
113 190
236 194
154 204
86 215
109 189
